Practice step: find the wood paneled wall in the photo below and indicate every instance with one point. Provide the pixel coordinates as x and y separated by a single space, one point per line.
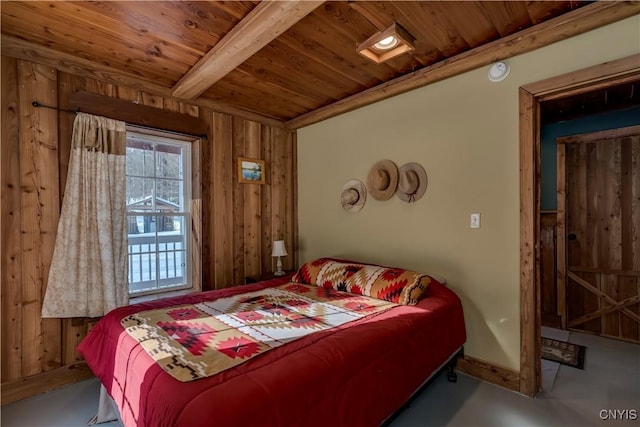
551 313
239 220
245 218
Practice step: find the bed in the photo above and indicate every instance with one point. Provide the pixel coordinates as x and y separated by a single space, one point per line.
357 374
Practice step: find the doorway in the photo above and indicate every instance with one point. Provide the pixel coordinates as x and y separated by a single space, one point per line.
598 221
531 96
587 115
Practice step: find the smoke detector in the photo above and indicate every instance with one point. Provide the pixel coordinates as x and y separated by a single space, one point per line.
499 71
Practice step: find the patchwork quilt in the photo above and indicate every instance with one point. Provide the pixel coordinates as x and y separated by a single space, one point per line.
196 341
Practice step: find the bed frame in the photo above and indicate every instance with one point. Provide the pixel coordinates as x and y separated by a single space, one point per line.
452 377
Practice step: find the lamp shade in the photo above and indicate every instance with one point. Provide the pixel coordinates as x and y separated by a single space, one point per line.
278 248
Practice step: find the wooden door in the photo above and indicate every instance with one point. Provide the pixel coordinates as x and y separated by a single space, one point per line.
599 232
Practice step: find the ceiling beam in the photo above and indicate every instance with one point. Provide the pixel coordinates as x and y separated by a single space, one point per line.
28 51
570 24
263 24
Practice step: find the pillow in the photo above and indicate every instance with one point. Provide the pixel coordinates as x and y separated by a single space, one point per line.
390 284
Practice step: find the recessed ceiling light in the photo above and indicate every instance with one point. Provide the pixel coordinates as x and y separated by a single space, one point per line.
387 44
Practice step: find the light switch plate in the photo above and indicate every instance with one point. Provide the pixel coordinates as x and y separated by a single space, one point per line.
475 220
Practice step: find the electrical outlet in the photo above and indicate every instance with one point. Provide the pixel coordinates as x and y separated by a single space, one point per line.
475 220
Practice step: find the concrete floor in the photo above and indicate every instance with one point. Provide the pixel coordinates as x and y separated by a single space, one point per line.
550 368
610 381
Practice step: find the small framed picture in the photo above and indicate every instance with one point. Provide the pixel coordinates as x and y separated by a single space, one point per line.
250 171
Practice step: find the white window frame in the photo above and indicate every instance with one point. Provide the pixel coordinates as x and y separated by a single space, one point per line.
190 179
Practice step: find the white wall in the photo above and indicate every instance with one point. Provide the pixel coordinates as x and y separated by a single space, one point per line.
464 131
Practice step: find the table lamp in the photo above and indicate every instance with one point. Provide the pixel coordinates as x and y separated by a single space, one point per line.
279 251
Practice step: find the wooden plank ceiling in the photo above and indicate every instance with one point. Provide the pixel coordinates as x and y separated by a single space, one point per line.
305 59
616 98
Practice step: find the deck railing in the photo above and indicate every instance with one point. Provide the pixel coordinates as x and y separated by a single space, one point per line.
156 264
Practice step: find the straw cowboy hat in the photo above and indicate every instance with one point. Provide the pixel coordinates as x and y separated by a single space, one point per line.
353 195
412 182
382 180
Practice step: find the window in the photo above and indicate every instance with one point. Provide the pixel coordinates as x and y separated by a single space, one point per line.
158 212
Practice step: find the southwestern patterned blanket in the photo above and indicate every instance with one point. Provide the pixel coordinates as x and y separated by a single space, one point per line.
196 341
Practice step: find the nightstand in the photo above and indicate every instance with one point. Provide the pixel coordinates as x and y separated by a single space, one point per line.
264 276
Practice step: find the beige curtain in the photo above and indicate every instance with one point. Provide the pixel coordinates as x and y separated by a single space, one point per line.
88 275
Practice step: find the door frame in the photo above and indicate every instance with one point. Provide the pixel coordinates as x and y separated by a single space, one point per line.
586 80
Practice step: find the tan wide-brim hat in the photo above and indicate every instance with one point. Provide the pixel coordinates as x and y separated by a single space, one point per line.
353 195
382 180
412 182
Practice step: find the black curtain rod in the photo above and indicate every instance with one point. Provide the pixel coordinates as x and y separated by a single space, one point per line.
77 110
37 104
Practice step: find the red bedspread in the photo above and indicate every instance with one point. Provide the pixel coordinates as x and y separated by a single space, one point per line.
357 374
